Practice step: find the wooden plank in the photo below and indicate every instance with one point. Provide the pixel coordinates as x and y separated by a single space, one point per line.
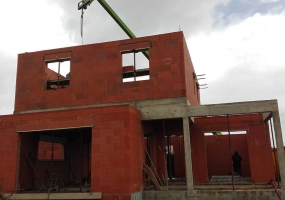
152 177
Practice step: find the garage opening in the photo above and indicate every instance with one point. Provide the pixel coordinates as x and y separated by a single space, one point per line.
55 160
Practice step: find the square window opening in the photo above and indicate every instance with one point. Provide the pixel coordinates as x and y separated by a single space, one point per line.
58 74
50 151
135 66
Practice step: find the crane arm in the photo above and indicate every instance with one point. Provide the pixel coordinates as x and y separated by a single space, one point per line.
120 22
84 3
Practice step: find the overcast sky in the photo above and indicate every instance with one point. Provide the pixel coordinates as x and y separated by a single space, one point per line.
238 44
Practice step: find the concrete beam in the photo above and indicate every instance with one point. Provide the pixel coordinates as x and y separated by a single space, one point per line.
151 109
178 108
232 108
162 108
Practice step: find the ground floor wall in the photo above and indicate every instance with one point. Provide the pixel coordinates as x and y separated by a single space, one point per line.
117 153
117 146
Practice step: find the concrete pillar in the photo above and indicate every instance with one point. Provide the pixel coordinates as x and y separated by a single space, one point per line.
279 146
188 159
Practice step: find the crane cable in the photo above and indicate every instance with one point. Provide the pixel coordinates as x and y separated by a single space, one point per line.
81 25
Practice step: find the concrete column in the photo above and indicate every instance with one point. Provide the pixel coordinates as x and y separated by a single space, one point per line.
279 146
188 159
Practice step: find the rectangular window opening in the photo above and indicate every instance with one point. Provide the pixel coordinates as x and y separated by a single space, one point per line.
218 133
58 74
135 66
50 151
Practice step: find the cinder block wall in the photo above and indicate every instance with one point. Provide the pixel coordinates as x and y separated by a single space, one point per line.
96 74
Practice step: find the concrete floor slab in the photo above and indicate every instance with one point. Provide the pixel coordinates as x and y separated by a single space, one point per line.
38 196
268 194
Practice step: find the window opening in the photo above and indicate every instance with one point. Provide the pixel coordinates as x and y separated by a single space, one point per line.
58 74
51 147
135 66
217 133
50 151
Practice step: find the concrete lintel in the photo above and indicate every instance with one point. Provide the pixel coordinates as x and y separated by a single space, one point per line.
232 108
163 111
162 108
166 101
138 104
96 195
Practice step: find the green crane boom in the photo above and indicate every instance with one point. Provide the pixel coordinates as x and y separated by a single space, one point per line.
83 5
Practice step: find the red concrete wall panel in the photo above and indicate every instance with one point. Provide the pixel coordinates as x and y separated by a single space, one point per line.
219 157
179 156
258 143
117 152
96 74
261 163
199 156
117 146
236 123
8 152
160 155
137 152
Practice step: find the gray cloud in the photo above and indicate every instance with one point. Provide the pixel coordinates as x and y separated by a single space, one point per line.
146 17
247 83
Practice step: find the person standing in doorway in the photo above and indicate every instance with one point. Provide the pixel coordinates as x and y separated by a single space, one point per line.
236 158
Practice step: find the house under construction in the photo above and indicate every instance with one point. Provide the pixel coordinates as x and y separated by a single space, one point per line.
101 121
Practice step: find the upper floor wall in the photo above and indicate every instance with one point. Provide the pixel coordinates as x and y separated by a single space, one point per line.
106 73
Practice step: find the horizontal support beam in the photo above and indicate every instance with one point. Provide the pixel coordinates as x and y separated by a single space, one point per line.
233 108
180 110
